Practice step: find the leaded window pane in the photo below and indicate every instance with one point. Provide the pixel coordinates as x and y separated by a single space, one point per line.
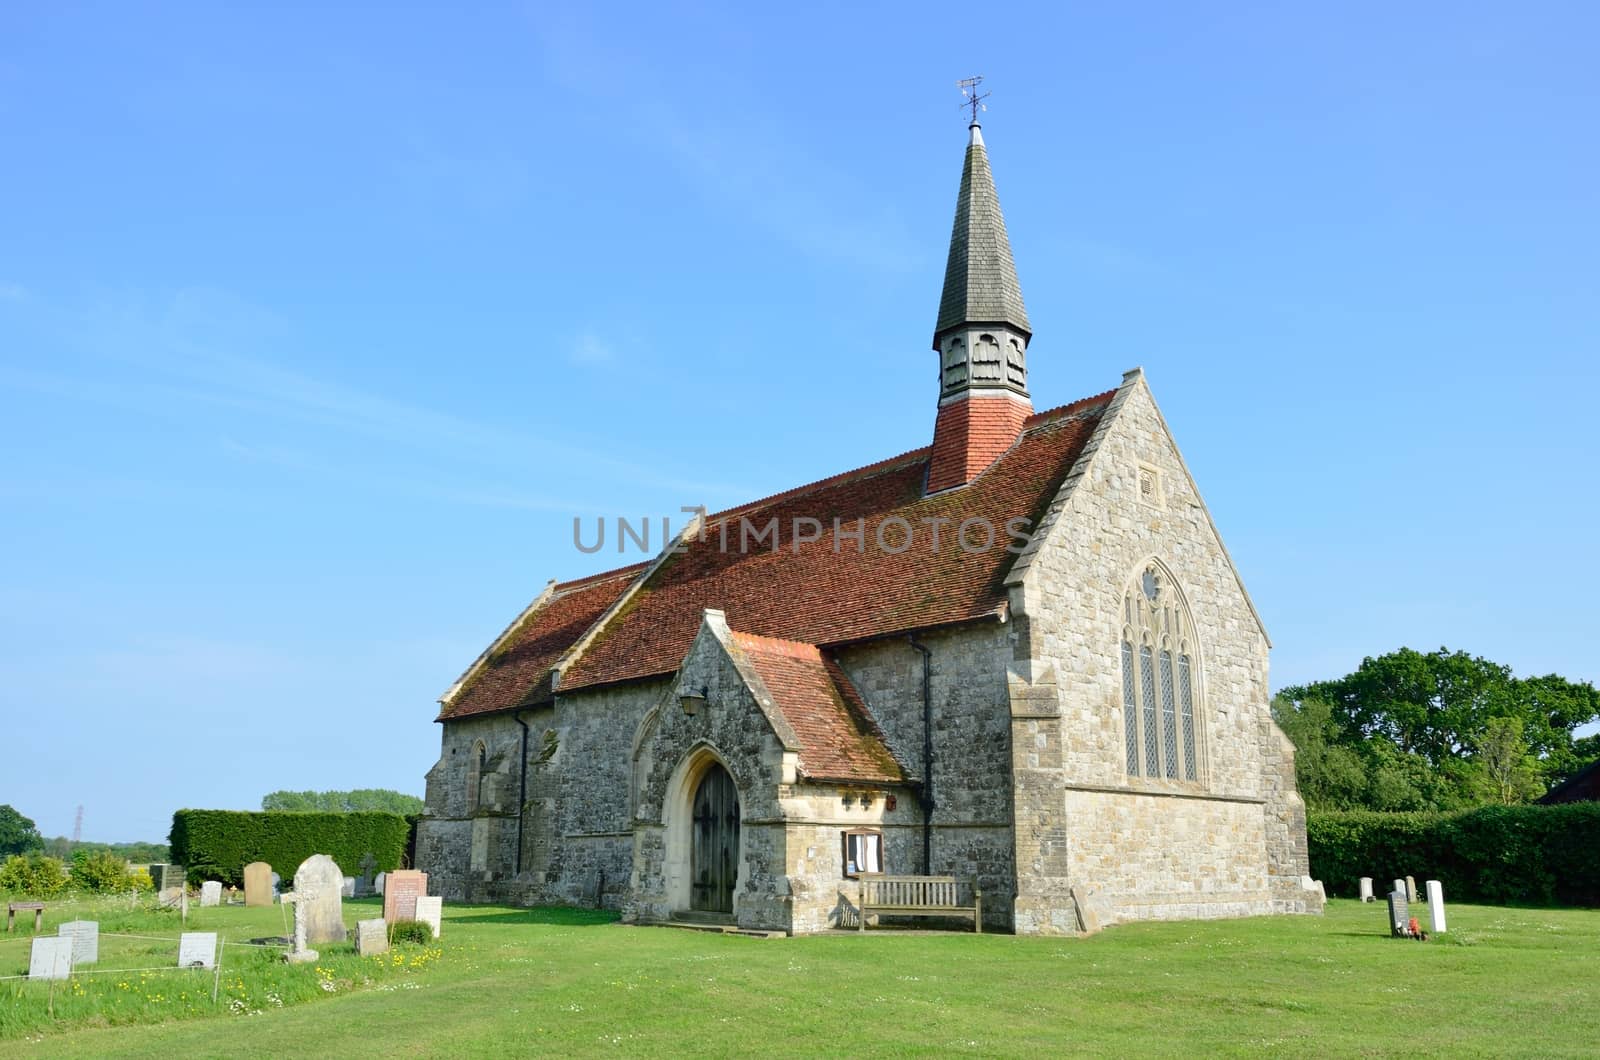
1169 717
1147 683
1186 702
1130 709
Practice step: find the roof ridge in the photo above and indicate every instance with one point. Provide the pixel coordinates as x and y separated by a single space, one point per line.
1045 416
589 580
877 467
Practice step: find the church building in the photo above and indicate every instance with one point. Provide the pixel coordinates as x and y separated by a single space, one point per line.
1019 655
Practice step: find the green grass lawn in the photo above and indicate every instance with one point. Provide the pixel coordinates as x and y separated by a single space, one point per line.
514 981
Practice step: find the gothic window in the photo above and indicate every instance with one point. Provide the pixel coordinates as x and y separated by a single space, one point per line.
955 362
475 769
1016 364
1159 693
986 364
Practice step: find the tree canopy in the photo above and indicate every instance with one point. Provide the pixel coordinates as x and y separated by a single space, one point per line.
1442 730
343 801
18 834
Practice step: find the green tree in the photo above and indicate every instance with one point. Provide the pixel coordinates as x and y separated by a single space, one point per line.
1507 774
18 834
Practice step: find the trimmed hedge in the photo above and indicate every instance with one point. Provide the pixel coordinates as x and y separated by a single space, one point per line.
1539 854
218 844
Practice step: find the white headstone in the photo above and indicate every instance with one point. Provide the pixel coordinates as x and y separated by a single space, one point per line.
197 949
85 936
318 884
372 936
1366 888
210 893
51 957
347 889
377 883
430 910
1436 906
1399 885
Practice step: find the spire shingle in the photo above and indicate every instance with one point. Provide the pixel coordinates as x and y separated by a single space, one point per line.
980 280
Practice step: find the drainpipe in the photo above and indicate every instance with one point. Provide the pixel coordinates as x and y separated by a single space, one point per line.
927 753
522 789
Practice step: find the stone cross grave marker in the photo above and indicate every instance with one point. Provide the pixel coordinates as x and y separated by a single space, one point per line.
85 936
431 912
372 936
197 949
298 953
1411 889
317 886
1436 906
51 957
1366 888
210 893
401 889
368 865
257 884
1399 912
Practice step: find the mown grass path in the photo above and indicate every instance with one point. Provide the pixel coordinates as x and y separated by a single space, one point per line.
540 982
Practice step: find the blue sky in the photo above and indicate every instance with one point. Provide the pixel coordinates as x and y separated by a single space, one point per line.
317 328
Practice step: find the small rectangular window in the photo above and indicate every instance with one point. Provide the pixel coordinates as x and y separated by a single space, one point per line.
863 853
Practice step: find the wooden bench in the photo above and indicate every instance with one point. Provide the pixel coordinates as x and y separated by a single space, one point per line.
918 896
13 908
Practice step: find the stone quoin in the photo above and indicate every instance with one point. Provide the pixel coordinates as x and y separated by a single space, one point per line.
1080 727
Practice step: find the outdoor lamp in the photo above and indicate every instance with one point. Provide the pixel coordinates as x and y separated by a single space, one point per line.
690 699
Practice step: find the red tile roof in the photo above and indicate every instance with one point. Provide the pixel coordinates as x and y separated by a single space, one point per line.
839 740
813 592
518 673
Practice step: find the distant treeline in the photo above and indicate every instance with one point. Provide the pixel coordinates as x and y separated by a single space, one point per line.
1441 731
360 800
137 853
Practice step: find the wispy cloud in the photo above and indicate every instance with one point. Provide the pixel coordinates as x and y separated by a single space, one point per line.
591 349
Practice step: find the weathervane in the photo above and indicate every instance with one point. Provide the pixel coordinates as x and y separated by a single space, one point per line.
969 89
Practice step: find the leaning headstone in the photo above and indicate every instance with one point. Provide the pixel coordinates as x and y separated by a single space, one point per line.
1366 888
431 912
372 936
317 886
85 936
1436 906
400 894
1399 913
210 893
257 883
51 957
1411 889
197 949
1093 911
377 882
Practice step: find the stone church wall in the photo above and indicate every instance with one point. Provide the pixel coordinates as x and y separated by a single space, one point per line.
972 834
1153 848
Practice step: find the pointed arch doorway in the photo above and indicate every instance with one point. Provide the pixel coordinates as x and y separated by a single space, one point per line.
714 857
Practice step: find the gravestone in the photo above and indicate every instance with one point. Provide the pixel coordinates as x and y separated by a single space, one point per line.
1366 888
1399 912
85 936
372 936
317 886
171 887
377 882
400 894
1399 885
1411 889
299 952
51 957
197 949
1436 906
210 893
257 884
277 882
347 887
364 881
431 912
1094 912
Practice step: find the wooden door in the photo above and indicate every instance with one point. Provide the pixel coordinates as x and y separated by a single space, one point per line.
716 842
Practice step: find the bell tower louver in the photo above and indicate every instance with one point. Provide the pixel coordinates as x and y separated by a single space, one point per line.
981 336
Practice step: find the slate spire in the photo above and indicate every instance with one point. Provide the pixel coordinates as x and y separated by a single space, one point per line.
980 279
981 337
